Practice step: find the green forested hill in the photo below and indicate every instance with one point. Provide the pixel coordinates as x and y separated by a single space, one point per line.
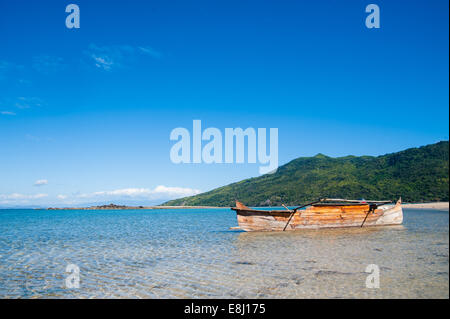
416 174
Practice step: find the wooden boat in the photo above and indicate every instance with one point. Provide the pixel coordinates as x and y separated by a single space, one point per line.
323 213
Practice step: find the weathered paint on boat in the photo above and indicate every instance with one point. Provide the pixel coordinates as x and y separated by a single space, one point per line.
320 216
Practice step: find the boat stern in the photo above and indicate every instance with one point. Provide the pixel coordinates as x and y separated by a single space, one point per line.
392 215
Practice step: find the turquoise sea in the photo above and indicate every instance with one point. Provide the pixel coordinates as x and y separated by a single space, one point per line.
193 254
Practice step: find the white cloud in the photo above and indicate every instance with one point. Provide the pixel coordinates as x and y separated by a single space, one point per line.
176 191
27 102
20 199
16 198
127 195
41 182
47 64
109 57
160 191
14 74
8 69
22 196
10 105
150 51
7 113
5 65
103 62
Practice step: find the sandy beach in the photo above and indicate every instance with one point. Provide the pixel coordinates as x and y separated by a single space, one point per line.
437 206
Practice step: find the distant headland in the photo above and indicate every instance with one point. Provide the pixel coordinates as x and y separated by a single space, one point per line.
418 175
123 207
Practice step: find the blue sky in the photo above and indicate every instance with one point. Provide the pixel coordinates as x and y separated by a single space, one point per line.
88 112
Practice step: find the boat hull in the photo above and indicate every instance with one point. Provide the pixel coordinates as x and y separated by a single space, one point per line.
318 217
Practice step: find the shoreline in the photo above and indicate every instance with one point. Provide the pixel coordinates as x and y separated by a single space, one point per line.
442 206
133 207
436 206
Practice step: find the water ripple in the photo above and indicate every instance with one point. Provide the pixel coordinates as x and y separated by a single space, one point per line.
190 254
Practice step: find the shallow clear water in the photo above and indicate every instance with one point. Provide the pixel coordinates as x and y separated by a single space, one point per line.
191 253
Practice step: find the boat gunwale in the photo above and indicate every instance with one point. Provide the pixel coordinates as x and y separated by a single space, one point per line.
237 210
262 211
340 205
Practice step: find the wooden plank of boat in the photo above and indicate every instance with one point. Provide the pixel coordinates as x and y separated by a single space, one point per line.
335 213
